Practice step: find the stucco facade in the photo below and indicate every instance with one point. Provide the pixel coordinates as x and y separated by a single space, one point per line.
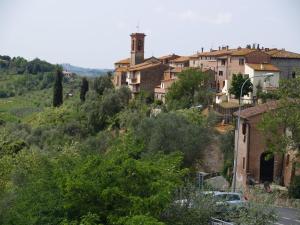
254 160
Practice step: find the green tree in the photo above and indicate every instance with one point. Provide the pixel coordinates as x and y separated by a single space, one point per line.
236 84
192 88
171 132
84 89
281 126
119 187
102 83
58 88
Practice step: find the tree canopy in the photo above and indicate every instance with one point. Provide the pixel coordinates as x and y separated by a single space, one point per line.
191 89
282 125
236 84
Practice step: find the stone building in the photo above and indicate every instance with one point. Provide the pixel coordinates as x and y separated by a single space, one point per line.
254 161
226 62
287 62
138 73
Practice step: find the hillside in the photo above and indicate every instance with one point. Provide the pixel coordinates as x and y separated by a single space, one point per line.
90 72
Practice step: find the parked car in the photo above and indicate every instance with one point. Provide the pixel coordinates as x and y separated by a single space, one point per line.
228 201
223 200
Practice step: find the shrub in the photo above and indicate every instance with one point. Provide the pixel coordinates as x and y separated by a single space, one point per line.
294 188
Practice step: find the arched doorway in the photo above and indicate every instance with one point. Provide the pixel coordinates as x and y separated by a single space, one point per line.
266 167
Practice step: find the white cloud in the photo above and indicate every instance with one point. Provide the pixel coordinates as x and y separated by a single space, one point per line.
189 15
193 16
159 9
223 18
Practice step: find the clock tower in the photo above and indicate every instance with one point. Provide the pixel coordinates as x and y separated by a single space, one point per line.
137 48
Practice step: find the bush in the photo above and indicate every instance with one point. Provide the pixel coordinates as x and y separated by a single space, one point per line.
294 188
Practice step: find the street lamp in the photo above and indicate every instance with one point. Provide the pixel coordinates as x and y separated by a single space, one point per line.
266 75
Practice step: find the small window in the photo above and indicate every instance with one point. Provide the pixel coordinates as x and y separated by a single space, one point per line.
294 74
243 162
140 45
287 161
132 45
220 73
241 61
223 61
244 128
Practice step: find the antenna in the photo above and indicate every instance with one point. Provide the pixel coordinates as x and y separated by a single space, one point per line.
138 27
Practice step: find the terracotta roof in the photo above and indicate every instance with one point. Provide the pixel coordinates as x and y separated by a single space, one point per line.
263 67
195 55
281 53
123 61
145 65
121 69
181 59
258 109
169 56
242 51
217 52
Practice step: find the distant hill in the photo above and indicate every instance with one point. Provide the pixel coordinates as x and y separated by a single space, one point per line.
85 71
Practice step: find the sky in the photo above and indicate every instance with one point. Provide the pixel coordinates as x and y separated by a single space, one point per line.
95 33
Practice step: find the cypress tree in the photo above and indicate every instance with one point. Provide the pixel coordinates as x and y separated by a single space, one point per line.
58 88
84 89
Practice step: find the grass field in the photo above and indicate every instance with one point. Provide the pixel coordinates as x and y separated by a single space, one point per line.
18 108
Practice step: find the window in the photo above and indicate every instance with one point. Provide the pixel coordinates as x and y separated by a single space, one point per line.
241 61
140 45
243 162
220 73
293 74
287 161
244 128
223 61
132 45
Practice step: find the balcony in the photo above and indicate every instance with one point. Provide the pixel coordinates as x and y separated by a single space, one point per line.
135 88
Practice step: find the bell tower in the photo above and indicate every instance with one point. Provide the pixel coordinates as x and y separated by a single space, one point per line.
137 48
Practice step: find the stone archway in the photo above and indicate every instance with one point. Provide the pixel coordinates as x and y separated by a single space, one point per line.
266 167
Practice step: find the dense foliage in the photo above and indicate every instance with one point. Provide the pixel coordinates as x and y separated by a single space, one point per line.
107 160
282 126
191 89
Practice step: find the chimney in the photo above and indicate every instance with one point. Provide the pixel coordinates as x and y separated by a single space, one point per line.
239 48
211 49
248 46
253 46
219 48
227 47
202 49
257 47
